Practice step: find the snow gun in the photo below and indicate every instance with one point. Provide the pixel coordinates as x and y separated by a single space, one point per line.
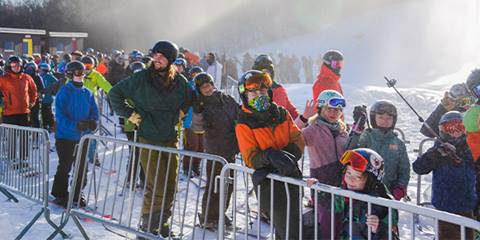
391 84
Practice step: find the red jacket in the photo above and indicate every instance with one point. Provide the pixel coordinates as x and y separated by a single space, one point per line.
326 79
280 97
19 93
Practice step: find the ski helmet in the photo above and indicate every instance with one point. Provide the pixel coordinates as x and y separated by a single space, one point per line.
473 83
254 80
168 49
75 68
449 124
136 66
31 68
67 57
364 160
201 79
194 71
333 59
13 59
2 62
182 62
90 51
331 98
382 107
45 67
89 62
460 94
263 61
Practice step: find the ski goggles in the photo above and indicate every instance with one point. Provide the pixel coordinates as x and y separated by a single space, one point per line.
354 159
336 103
78 73
336 64
88 66
451 127
476 91
257 82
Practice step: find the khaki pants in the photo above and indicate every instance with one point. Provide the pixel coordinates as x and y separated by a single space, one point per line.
165 174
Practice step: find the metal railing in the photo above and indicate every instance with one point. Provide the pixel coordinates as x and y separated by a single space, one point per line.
419 177
112 199
24 168
402 135
333 193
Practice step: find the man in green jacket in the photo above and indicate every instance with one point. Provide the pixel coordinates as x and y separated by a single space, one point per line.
158 94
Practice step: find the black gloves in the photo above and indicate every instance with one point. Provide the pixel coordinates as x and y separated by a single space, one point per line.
293 149
86 125
283 162
360 115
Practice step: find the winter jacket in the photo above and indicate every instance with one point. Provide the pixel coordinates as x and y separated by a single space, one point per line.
37 79
19 93
159 108
280 97
102 69
73 104
116 72
470 120
48 81
453 185
324 150
220 112
94 80
192 58
258 131
326 79
393 151
216 71
187 120
434 119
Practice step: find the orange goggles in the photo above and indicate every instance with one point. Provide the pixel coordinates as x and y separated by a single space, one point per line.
354 159
453 127
88 66
258 81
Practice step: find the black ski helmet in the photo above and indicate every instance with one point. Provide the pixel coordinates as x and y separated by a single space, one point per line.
473 83
263 61
12 59
332 55
88 60
452 116
30 68
201 79
74 67
168 49
252 74
382 107
136 66
194 70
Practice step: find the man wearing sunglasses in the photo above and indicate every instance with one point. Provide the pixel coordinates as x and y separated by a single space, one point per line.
329 76
269 141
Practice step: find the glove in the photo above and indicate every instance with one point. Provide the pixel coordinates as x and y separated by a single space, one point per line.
283 162
82 126
399 191
91 124
135 118
359 117
446 149
293 149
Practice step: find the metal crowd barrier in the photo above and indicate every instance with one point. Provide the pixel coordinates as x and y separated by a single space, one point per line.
402 135
24 168
419 177
257 230
114 203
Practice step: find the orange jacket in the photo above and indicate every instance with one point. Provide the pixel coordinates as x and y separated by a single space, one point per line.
473 141
102 69
254 138
326 79
19 93
192 58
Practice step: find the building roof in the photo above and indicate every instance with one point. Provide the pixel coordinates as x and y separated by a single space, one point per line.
22 31
68 34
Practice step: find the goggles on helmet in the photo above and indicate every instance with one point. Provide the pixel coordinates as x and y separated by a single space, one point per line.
354 159
452 127
257 82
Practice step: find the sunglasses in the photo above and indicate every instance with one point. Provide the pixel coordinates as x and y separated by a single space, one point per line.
354 159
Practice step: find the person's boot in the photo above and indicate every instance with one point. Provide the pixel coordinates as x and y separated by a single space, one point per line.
154 224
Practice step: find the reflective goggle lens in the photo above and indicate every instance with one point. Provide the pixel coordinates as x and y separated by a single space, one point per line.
337 103
355 159
453 127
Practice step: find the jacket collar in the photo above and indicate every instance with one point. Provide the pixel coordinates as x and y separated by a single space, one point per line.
328 73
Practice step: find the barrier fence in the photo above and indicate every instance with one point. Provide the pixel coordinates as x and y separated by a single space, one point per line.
110 193
24 164
292 212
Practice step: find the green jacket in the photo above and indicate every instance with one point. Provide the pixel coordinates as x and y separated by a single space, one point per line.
94 80
393 151
159 108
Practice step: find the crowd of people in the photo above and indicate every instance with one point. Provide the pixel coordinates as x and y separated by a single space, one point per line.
153 93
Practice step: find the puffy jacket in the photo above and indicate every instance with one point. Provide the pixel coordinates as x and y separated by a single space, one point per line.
325 149
434 119
280 97
220 113
192 58
48 81
94 80
216 71
453 186
19 92
326 79
393 151
258 131
73 104
159 108
102 69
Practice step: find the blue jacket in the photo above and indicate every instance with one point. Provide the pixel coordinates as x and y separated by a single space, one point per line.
73 104
453 186
187 121
48 81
